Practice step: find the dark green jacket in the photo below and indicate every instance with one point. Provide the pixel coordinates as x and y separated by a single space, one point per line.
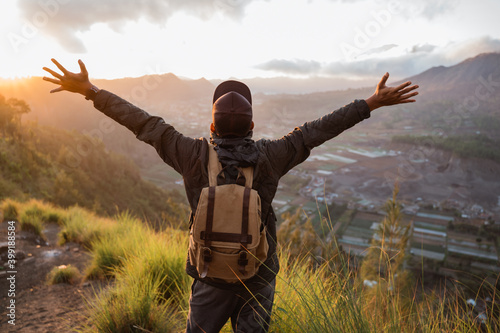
189 157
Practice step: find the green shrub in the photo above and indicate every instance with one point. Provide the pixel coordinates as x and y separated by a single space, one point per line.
125 238
134 307
63 274
54 216
318 300
84 227
151 287
10 210
32 223
162 259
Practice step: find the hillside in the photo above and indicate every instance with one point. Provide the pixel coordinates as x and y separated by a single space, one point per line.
462 77
68 168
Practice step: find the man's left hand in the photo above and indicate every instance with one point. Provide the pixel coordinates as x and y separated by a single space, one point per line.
384 95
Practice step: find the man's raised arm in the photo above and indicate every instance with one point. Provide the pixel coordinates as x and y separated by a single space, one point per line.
295 147
175 149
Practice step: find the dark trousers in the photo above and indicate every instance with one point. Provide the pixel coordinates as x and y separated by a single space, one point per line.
210 308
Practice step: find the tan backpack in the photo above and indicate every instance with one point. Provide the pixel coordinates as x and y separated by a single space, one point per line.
227 239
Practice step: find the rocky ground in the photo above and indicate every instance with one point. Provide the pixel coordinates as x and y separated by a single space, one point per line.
40 307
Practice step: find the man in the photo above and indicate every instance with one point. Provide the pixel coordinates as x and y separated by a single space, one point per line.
212 303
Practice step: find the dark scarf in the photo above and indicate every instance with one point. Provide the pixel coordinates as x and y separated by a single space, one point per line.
240 151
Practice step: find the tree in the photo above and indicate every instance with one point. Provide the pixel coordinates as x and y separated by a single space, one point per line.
298 237
11 111
382 270
386 257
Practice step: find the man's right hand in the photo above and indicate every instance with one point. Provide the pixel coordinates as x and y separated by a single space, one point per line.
73 82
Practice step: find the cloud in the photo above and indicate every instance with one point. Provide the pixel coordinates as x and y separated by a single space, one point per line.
473 46
422 48
429 9
400 67
411 62
297 66
380 49
434 8
63 19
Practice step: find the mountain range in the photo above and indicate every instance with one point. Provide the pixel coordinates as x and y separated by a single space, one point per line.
160 91
473 85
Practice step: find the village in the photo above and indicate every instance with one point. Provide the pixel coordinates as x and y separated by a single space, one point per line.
451 231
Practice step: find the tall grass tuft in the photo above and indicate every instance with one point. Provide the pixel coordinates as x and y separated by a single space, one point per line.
137 307
163 258
10 209
151 288
125 238
315 300
46 211
84 227
32 214
31 219
449 310
63 274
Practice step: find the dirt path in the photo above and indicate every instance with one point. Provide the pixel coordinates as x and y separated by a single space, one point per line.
40 307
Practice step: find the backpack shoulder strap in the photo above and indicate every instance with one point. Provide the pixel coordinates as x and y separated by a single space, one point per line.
248 173
214 166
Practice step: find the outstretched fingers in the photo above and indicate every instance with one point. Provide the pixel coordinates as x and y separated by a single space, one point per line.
55 74
406 101
83 69
383 80
61 67
58 82
57 90
403 85
406 96
68 81
45 78
407 90
385 95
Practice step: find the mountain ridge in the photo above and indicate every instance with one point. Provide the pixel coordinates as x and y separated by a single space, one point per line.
462 75
160 89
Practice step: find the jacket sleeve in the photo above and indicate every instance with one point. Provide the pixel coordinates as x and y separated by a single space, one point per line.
175 149
295 147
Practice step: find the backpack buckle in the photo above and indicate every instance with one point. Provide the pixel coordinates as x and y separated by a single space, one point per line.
207 254
242 258
207 257
242 262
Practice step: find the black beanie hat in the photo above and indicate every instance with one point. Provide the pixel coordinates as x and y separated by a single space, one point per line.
232 109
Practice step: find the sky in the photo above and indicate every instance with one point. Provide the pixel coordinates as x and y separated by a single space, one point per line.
221 39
